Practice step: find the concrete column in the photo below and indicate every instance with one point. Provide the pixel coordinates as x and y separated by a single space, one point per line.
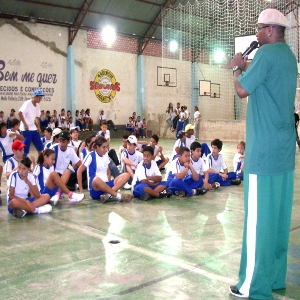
195 87
140 108
71 101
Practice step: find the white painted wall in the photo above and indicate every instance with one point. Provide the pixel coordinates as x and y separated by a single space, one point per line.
42 49
35 49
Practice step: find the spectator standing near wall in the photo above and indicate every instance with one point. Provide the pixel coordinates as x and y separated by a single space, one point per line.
197 117
29 114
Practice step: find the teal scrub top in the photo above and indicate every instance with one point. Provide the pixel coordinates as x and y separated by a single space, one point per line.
271 82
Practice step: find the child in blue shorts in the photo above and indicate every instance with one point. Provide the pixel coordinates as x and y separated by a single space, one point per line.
20 183
182 178
217 168
147 180
49 181
100 185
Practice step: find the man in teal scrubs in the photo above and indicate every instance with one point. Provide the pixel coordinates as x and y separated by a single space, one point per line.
270 82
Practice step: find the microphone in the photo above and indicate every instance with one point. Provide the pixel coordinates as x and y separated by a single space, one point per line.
253 46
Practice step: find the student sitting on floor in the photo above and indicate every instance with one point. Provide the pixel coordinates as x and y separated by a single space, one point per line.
100 185
190 138
87 146
64 155
181 176
55 138
112 152
47 138
200 166
147 181
20 183
140 144
15 128
130 125
75 142
48 181
238 160
217 167
131 158
7 137
180 142
162 160
13 162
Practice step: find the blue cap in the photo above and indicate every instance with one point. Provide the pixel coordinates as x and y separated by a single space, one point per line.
38 93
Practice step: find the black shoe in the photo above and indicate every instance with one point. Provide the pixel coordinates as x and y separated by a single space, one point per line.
236 182
115 129
235 292
165 194
19 213
180 193
145 197
162 169
201 191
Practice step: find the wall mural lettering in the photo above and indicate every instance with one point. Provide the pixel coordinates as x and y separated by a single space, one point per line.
31 80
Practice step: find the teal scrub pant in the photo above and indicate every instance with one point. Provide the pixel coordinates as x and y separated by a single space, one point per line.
268 209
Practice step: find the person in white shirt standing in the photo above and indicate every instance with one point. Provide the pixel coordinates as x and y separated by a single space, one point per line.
29 114
197 117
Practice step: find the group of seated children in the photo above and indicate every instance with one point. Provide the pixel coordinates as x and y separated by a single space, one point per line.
92 165
65 121
136 124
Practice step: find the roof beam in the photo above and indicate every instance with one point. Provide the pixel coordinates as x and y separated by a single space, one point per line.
153 27
149 2
91 11
79 19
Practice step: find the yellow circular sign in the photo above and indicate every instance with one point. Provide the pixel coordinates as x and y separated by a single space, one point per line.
105 86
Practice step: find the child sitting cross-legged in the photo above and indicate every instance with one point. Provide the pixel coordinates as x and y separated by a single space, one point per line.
182 177
20 183
217 167
48 181
147 181
200 166
238 160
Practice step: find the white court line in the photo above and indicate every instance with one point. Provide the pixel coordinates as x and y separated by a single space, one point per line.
161 257
158 256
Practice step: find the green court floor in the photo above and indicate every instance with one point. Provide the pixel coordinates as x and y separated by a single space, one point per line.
177 248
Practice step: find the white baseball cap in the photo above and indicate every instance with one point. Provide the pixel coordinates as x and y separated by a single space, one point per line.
56 131
273 17
132 139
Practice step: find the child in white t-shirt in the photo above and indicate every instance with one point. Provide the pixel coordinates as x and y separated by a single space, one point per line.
238 160
20 183
217 168
131 157
147 181
48 181
182 178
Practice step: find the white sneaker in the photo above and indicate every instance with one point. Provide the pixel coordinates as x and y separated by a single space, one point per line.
76 198
54 199
44 209
127 186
